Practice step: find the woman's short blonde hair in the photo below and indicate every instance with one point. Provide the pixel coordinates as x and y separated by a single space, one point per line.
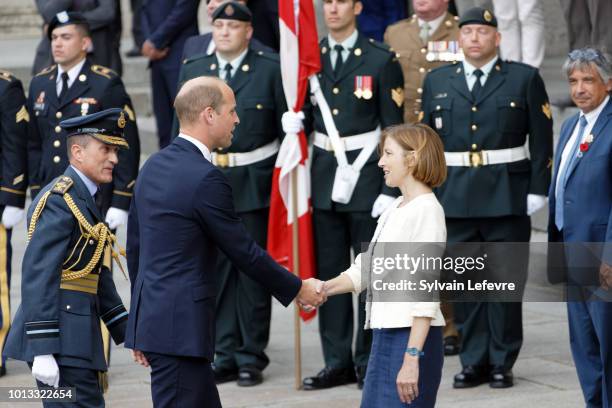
429 151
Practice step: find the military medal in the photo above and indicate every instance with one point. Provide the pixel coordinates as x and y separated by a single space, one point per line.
438 122
84 108
358 87
430 51
367 87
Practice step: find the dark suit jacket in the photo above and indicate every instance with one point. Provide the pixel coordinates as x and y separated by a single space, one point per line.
168 23
377 15
57 321
512 106
174 233
587 211
198 45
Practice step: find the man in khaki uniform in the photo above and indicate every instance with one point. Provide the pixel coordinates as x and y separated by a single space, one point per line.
423 42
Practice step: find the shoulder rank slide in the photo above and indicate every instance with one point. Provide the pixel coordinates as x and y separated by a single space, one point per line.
62 185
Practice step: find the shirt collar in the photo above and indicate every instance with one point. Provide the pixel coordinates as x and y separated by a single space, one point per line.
592 116
348 43
486 68
235 63
433 24
72 72
91 186
201 146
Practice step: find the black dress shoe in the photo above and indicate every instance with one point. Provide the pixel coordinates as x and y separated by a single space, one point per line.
249 376
134 52
451 346
2 371
471 376
330 377
223 375
360 373
501 378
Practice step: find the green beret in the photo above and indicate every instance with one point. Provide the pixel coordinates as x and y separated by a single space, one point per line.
478 15
232 10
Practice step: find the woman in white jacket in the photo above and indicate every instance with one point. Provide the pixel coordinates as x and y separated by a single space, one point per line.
405 365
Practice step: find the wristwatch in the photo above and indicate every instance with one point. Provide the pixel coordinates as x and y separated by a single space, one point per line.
415 352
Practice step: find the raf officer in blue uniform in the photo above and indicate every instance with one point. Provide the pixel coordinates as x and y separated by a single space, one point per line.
67 285
75 87
485 110
14 118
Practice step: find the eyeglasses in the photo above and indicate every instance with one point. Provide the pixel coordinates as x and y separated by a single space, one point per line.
587 54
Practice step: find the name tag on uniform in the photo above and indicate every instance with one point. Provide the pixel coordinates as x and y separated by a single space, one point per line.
438 122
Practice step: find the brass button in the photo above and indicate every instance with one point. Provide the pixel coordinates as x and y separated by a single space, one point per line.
421 70
474 127
56 159
58 129
336 91
474 146
423 50
438 107
429 70
513 105
335 111
56 143
91 241
58 115
420 90
67 307
259 106
474 109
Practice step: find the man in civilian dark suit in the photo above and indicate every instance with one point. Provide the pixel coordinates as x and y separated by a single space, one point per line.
203 44
580 211
172 327
166 24
265 22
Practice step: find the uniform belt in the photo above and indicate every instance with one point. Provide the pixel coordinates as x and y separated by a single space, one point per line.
87 283
486 157
245 158
355 142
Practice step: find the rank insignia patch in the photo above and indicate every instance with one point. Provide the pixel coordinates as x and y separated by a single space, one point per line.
397 94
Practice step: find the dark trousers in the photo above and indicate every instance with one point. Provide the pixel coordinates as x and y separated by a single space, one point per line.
243 307
591 344
137 35
335 234
491 332
86 384
6 254
588 23
178 381
164 81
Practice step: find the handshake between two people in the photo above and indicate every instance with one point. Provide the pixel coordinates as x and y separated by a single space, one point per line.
315 292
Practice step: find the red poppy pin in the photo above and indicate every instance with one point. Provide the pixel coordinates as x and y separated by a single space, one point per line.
586 143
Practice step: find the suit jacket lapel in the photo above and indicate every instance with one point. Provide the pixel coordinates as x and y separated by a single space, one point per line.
50 89
355 59
497 77
326 67
79 87
563 139
460 84
243 73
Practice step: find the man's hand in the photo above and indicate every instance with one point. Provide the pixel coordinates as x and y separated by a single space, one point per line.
292 122
116 217
312 294
152 53
535 202
140 358
46 370
12 216
605 276
382 202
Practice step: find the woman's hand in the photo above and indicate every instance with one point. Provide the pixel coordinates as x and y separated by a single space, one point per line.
408 379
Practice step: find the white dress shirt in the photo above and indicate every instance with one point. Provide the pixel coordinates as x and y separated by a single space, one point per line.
348 45
91 186
201 146
235 63
469 69
419 220
72 75
591 118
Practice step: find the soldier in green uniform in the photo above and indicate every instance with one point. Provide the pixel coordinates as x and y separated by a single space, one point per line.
485 110
14 118
243 305
361 92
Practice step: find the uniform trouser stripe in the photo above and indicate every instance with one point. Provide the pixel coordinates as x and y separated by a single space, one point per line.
4 288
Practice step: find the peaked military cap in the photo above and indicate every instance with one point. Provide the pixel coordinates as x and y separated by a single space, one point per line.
106 126
232 10
66 18
478 15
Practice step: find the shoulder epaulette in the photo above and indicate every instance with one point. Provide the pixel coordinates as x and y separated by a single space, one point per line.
379 45
196 57
103 71
46 70
62 185
268 55
7 76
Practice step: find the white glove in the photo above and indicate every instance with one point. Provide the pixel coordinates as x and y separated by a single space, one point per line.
116 217
45 370
292 122
382 202
12 216
535 202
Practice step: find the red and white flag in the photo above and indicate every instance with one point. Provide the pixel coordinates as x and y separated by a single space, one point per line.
299 57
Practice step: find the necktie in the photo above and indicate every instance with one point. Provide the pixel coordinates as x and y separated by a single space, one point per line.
98 199
424 33
477 85
339 63
64 90
564 173
228 72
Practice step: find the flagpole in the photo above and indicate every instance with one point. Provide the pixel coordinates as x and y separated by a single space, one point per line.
297 338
